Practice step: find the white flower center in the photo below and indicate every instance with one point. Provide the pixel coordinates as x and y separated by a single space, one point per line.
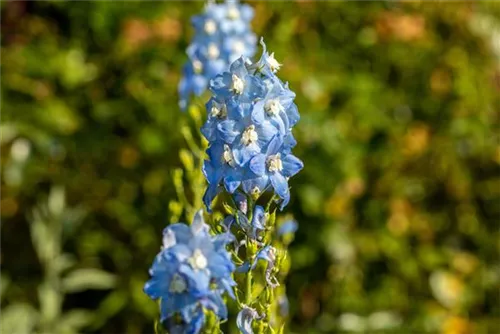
273 107
238 84
210 27
198 261
197 66
227 156
273 63
218 112
249 135
274 163
233 13
213 51
178 284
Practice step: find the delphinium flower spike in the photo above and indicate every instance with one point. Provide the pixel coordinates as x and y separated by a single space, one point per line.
251 115
190 274
222 34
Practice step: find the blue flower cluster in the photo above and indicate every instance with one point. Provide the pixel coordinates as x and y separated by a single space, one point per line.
191 273
250 117
222 34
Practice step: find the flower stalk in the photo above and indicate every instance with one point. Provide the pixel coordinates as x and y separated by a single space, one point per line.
250 117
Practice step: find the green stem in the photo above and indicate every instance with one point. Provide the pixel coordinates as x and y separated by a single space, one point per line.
249 255
248 290
271 200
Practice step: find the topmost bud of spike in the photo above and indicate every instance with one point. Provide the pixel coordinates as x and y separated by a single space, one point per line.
222 35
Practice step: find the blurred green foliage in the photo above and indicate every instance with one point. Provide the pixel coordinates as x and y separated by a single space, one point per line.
398 203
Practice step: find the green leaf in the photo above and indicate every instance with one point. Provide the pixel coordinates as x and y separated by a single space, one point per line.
63 262
229 209
74 320
86 279
43 241
187 160
50 302
18 319
56 201
4 283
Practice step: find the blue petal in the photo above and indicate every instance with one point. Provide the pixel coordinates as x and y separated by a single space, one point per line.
259 217
196 323
291 165
266 133
173 303
220 85
254 89
260 183
220 266
228 130
258 113
293 114
227 285
245 318
280 184
221 240
198 280
157 286
238 67
274 145
211 192
215 303
169 239
198 226
258 164
289 142
180 251
285 201
242 153
181 231
231 183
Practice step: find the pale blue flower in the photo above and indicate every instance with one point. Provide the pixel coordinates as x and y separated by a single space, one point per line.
222 34
245 318
191 272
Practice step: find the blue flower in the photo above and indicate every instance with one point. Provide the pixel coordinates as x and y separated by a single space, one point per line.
222 34
245 318
238 83
246 137
190 273
222 169
276 166
249 127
